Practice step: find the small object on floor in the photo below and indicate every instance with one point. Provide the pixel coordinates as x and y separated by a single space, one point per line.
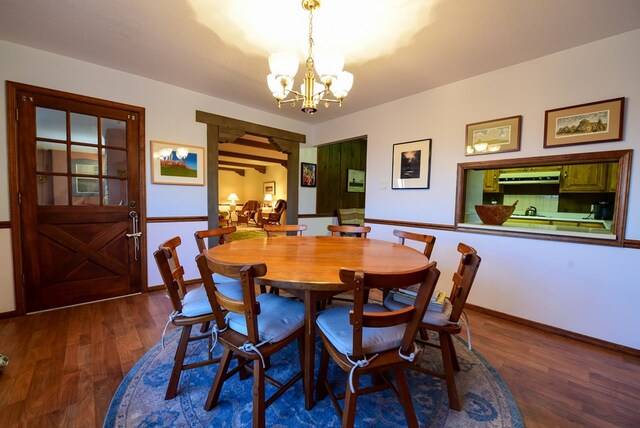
4 362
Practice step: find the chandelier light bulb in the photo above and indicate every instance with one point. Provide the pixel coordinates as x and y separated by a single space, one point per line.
182 153
165 154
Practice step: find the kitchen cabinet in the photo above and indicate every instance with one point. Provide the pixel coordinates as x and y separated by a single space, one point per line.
583 178
612 181
490 184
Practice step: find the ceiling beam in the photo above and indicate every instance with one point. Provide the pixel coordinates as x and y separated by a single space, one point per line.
252 144
237 171
260 168
282 162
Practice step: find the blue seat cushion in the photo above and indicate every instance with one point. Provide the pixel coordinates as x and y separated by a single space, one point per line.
196 302
279 318
430 317
334 324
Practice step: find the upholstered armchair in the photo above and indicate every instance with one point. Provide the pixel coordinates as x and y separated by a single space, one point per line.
279 213
248 212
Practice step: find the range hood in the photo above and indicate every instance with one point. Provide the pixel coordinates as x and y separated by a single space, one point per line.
530 177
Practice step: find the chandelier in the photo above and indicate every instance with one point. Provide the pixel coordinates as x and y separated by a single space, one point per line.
333 80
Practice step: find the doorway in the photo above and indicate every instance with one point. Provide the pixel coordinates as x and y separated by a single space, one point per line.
77 180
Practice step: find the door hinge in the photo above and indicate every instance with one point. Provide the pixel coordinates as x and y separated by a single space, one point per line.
17 115
19 198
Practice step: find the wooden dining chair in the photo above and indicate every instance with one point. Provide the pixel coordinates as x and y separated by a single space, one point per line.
273 229
189 308
369 339
221 235
429 240
449 322
356 231
255 328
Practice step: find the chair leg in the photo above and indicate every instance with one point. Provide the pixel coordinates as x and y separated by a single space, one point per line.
447 362
454 356
258 394
405 398
350 398
243 373
172 388
216 386
301 358
321 389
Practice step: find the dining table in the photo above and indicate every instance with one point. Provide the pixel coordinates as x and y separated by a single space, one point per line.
308 268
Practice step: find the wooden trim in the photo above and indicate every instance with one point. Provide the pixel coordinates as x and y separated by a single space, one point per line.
631 243
177 219
411 224
558 331
247 127
5 225
321 215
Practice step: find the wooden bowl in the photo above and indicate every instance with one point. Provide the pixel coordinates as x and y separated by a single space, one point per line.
495 214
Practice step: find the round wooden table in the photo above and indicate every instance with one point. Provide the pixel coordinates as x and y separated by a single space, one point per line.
308 267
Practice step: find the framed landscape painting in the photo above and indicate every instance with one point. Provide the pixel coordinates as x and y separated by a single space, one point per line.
355 181
492 136
595 122
173 163
411 165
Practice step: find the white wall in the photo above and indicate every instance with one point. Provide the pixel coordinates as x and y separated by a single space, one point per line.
582 288
170 116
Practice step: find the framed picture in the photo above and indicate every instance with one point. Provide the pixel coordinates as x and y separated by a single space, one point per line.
173 163
307 174
595 122
411 165
493 136
85 186
355 181
269 187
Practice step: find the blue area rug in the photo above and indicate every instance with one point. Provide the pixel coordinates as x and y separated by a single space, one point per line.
139 401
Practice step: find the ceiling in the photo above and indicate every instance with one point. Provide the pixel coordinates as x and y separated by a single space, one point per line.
169 41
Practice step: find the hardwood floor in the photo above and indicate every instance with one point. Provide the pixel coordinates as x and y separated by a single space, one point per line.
65 366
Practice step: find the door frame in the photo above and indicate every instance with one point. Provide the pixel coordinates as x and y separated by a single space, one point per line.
12 89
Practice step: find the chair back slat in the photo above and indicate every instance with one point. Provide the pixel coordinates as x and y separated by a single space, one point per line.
361 282
223 235
360 231
273 229
248 306
429 240
463 281
170 283
171 248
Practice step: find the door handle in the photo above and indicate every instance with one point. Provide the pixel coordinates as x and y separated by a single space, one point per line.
135 233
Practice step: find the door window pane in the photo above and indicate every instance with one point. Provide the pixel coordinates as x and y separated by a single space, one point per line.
114 133
114 163
51 157
51 123
81 157
115 192
52 190
84 128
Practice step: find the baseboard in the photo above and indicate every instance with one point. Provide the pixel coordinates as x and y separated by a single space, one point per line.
558 331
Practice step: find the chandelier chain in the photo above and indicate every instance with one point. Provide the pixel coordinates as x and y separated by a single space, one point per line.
310 33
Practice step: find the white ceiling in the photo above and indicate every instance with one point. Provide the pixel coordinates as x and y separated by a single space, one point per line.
166 41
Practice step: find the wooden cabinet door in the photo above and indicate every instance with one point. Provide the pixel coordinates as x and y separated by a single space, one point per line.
490 183
612 182
584 178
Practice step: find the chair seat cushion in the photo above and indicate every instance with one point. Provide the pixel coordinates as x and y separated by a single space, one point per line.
430 317
334 324
279 318
196 302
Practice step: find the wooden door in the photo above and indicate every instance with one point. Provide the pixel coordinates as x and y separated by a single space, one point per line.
79 198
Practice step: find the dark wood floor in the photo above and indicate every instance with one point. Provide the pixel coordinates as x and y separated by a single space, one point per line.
66 365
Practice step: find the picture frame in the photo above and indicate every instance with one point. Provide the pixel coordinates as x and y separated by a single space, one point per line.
411 167
493 136
174 163
85 186
269 187
355 181
308 174
595 122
